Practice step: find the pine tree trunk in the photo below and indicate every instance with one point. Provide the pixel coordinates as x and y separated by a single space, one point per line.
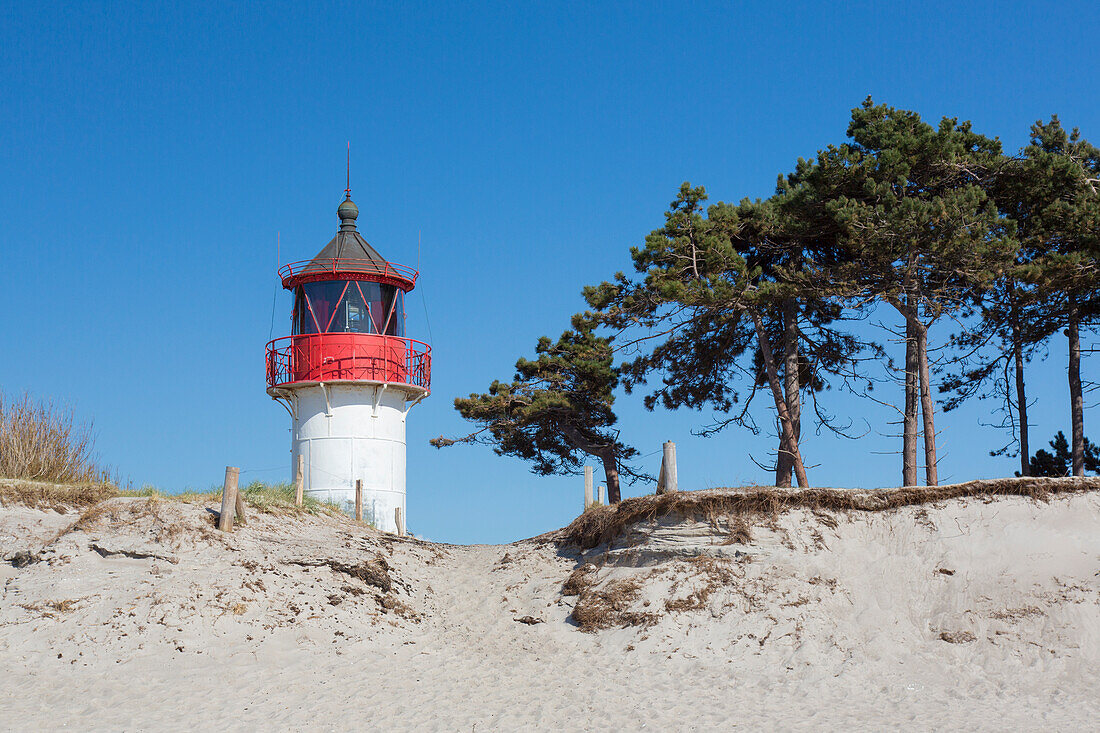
909 436
785 462
931 473
1076 399
785 422
611 473
1021 399
604 451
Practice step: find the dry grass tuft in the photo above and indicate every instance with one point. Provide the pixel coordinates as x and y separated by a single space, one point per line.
50 609
578 580
714 572
957 637
389 602
604 524
59 497
739 532
40 441
1015 614
609 606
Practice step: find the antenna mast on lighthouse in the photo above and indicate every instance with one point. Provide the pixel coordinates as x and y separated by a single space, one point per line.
347 191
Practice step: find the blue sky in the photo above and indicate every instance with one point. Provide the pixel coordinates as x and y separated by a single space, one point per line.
152 154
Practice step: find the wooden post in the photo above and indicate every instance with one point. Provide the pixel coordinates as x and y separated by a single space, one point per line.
399 520
358 500
603 494
667 483
666 480
299 480
239 507
229 499
587 486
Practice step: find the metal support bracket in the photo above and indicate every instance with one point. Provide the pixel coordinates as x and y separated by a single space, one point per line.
378 392
414 403
288 403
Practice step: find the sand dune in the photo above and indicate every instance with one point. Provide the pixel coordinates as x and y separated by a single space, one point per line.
978 613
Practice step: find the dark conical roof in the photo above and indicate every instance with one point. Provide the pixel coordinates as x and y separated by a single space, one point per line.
348 244
348 254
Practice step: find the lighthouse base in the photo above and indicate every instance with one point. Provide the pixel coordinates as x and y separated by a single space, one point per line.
348 432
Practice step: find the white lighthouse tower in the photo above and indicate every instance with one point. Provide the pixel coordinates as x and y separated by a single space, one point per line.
347 374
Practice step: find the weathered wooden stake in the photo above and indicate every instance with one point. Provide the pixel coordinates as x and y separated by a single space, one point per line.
229 499
603 494
239 507
399 520
299 480
587 486
666 482
358 500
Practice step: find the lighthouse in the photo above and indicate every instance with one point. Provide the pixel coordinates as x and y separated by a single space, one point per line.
347 374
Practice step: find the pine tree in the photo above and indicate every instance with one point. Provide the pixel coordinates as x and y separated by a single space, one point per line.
696 283
1066 209
1046 193
556 410
1060 462
920 231
721 298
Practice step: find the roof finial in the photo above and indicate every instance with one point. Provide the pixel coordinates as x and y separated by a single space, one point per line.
347 211
347 191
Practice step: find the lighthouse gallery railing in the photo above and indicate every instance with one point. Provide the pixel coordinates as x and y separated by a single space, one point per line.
322 357
328 268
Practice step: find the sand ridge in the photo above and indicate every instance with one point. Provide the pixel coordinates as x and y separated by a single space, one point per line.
969 613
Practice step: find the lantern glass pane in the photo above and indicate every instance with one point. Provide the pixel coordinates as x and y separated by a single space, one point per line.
342 306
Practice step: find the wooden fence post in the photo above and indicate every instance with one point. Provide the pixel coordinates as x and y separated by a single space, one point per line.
299 480
229 499
603 494
587 486
666 482
358 500
399 520
239 507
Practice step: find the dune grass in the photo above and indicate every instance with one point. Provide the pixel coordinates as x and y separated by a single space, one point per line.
41 441
46 495
277 498
264 498
598 525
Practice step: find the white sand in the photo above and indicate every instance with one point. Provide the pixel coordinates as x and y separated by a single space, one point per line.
149 619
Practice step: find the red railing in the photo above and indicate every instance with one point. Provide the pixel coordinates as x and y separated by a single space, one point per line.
324 357
318 269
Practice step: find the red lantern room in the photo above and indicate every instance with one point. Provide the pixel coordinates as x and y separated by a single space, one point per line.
348 322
